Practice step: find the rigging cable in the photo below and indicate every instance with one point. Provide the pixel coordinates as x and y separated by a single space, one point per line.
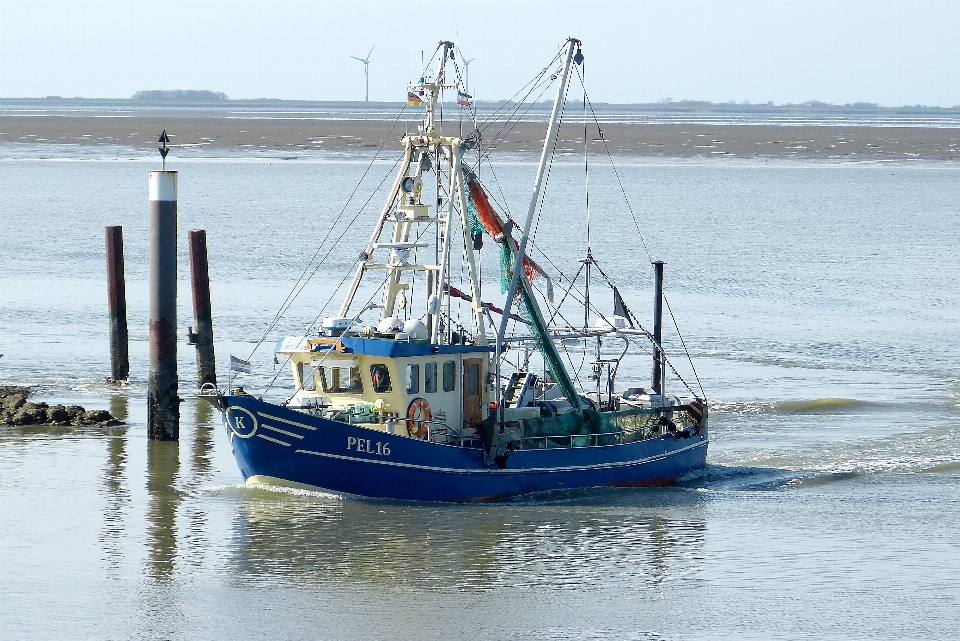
509 101
639 233
586 166
546 180
575 292
615 172
301 282
312 323
684 343
534 84
498 139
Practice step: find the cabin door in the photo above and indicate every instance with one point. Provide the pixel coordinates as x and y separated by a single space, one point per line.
472 405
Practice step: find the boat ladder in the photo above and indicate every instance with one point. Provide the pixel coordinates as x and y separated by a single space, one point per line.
521 384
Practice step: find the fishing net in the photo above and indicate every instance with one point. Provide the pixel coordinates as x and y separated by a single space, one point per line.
635 424
482 217
506 268
473 217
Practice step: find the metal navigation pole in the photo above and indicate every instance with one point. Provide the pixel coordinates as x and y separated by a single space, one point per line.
163 401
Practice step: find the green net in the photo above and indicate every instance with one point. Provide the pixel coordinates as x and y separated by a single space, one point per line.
634 424
473 217
529 311
506 268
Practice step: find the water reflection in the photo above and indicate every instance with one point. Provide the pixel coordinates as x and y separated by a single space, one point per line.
117 494
203 437
598 541
119 406
195 539
163 466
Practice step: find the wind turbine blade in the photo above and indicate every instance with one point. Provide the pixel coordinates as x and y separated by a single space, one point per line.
360 59
369 52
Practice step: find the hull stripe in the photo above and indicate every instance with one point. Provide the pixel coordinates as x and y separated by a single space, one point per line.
528 470
273 440
287 421
277 429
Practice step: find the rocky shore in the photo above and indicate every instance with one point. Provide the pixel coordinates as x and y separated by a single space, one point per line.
17 410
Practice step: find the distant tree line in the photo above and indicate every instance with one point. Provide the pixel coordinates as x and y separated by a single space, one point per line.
180 95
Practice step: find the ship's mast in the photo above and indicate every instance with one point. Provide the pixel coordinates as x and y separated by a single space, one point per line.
572 45
404 209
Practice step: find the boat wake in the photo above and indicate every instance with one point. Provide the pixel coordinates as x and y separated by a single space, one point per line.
819 406
823 406
241 489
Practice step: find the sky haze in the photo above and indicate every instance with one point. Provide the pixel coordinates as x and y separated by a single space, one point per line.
891 52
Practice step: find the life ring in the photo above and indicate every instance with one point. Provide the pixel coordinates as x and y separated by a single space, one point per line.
418 412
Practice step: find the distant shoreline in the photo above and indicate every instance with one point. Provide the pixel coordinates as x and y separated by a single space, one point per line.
667 136
673 106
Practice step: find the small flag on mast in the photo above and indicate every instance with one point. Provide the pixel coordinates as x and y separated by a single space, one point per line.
463 99
413 99
240 365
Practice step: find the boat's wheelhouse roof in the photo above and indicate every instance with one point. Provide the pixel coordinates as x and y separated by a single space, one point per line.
385 347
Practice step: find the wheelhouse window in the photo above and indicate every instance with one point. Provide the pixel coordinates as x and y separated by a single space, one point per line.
306 379
449 376
341 380
380 377
429 378
413 379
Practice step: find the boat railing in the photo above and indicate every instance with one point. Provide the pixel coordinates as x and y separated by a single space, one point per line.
679 424
436 430
561 440
572 440
441 432
584 440
447 435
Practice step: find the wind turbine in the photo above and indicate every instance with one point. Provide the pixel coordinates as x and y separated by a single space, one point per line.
466 66
366 71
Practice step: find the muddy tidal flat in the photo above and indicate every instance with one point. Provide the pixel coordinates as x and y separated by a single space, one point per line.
215 132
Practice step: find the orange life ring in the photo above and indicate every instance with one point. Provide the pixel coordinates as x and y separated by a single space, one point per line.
417 413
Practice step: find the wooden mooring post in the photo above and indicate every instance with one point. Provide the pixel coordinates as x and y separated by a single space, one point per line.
117 301
163 401
203 337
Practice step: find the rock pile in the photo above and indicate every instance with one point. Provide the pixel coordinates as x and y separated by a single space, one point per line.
15 409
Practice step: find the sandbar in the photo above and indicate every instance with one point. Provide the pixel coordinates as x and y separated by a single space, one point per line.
290 136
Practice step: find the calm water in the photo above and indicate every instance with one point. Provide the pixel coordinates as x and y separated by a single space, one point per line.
820 303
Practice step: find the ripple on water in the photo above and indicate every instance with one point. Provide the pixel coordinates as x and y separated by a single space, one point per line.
587 540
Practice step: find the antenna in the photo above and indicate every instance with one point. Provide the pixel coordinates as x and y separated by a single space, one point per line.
366 72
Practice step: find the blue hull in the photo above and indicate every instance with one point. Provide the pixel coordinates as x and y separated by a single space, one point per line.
272 441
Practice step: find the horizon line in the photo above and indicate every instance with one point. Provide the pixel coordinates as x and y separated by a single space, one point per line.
214 100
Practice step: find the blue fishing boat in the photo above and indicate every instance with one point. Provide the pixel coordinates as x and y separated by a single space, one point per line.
397 397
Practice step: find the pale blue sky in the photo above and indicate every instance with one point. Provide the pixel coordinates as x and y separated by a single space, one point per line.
892 52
